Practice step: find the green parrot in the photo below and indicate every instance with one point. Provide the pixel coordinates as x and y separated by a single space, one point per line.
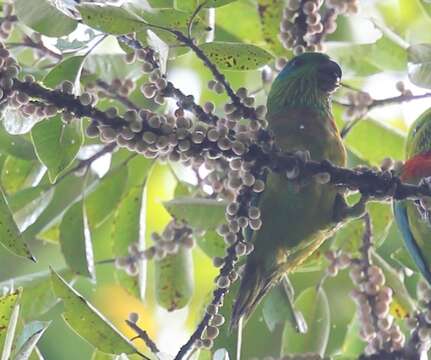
296 217
413 219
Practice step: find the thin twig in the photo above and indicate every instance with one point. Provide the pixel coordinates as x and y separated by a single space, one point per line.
143 335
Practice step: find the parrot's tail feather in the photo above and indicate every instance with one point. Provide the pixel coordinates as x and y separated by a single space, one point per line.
254 286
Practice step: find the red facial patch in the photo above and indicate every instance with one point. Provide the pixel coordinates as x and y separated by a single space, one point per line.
417 167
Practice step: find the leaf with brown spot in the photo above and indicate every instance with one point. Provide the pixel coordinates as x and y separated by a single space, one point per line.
7 305
236 56
10 236
87 322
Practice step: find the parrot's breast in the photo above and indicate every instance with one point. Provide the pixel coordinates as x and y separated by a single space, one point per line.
297 218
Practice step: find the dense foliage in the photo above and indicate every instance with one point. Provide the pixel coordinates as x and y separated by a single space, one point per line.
133 147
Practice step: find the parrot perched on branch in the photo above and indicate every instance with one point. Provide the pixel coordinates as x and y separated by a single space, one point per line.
411 216
296 217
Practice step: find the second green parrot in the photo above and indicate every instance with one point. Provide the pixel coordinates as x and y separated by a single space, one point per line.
413 217
296 217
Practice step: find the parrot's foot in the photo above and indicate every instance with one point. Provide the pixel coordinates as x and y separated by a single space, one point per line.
342 211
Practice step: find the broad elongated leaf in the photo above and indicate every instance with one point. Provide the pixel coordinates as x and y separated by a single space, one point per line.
101 202
270 14
369 131
367 59
37 297
278 308
419 56
185 5
16 146
204 214
236 56
66 193
8 304
254 331
41 16
69 69
10 236
126 230
29 203
57 144
174 280
29 338
110 19
87 322
212 244
17 174
314 305
15 123
402 304
75 241
217 3
350 236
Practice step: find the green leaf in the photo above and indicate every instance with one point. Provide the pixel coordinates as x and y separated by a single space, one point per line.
185 5
66 192
101 202
419 56
87 322
98 355
37 297
69 69
212 244
270 14
368 59
15 123
57 144
349 237
10 236
254 332
217 3
236 56
8 318
41 16
353 345
402 257
402 301
125 231
110 19
278 308
29 203
314 305
174 280
75 241
200 213
18 173
30 337
369 131
16 146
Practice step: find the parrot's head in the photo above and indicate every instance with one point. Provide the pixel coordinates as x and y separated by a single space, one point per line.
418 150
419 136
312 68
306 79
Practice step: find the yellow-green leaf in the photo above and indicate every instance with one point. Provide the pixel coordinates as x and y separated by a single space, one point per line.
10 236
314 305
110 19
236 56
75 241
87 322
7 305
57 144
198 212
43 17
174 280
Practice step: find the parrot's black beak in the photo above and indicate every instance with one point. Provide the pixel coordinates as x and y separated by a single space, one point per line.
329 76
